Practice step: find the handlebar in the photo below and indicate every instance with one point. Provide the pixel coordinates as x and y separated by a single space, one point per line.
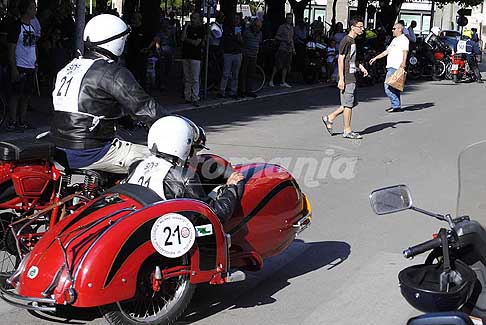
421 248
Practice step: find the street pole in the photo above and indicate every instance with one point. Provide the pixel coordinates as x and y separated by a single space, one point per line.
208 16
80 22
432 11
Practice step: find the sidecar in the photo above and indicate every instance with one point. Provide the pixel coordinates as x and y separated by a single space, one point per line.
139 258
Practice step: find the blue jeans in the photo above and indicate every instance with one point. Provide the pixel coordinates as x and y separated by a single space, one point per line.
391 92
231 69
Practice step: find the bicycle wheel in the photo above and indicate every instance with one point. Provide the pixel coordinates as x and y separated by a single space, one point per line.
3 109
259 81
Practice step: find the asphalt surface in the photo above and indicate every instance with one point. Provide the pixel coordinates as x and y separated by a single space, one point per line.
343 269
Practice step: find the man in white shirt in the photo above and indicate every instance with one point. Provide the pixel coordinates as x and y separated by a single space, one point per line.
396 54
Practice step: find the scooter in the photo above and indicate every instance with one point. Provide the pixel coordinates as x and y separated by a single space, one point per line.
453 276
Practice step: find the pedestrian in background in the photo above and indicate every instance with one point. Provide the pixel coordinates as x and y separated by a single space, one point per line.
283 57
22 62
396 54
347 67
192 44
252 38
233 49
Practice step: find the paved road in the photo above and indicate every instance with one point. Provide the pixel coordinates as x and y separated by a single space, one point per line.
343 270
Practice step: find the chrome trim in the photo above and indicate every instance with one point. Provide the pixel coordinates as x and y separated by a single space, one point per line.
29 303
53 284
303 223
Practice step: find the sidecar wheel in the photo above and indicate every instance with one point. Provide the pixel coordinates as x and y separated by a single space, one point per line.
9 257
149 307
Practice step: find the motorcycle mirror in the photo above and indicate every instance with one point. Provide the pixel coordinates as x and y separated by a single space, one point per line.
391 199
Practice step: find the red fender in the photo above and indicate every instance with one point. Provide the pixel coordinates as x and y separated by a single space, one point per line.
105 250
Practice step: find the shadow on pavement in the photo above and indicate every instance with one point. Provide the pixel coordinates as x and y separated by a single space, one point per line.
382 126
418 107
69 315
210 300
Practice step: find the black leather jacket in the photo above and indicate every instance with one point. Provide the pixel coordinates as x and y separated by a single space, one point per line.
110 90
182 183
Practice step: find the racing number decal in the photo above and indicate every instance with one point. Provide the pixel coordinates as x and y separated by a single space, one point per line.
169 231
63 82
146 183
173 235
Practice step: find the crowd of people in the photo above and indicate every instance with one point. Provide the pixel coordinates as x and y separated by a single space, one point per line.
35 47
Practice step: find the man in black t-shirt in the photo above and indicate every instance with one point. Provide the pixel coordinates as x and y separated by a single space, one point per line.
192 39
347 68
22 63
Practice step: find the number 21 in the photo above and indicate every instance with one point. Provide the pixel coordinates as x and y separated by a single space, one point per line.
64 81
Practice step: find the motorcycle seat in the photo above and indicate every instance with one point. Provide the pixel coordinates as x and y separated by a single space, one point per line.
26 149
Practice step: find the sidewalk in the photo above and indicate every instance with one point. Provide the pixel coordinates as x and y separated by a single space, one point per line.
41 110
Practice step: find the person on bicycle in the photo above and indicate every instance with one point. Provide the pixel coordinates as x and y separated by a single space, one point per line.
171 141
91 94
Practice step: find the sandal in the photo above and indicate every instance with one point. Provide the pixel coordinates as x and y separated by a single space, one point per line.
352 135
328 124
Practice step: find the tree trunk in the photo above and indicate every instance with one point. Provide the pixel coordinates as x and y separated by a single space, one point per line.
388 14
299 9
361 10
275 17
101 5
150 10
228 7
80 22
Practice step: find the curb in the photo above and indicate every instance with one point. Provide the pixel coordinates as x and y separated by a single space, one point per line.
219 104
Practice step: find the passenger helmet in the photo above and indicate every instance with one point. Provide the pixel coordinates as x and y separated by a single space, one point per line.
435 30
106 32
172 136
420 286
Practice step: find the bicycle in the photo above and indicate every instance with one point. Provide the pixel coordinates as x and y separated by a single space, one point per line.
216 68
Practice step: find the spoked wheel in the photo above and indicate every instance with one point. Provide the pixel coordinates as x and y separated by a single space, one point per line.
440 69
9 256
164 306
448 71
259 79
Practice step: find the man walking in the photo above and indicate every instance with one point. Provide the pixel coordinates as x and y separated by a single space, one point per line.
396 59
347 80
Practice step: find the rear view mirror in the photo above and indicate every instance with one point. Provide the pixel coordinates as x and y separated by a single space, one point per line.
391 199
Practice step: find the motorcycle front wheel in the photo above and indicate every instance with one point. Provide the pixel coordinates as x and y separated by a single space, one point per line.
151 307
440 69
448 71
455 78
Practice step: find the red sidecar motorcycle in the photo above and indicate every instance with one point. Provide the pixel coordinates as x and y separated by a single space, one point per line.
138 258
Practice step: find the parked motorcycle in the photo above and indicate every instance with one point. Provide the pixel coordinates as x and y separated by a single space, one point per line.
314 61
453 276
138 258
461 71
37 189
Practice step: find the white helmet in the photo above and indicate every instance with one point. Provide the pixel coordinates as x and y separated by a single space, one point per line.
107 32
435 30
171 135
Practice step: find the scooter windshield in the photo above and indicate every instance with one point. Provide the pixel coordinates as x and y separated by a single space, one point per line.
471 196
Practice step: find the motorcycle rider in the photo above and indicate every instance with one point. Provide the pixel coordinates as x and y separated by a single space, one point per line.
91 94
472 50
171 141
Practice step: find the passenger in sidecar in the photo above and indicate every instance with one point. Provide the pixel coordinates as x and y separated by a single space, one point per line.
171 141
